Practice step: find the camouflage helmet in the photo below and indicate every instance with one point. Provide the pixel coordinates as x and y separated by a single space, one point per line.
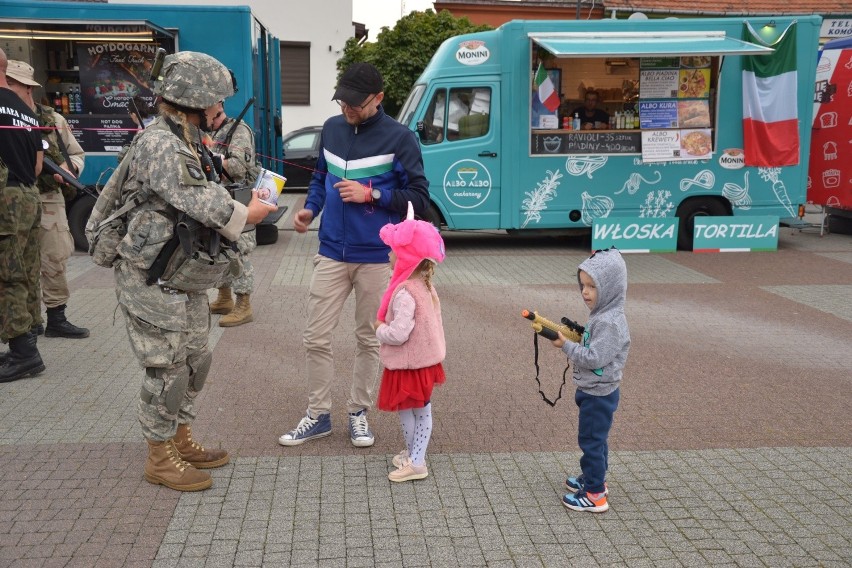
194 80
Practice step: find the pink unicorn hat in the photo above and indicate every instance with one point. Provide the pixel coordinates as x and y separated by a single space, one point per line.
412 241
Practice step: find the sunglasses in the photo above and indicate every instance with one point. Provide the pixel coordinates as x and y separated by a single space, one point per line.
356 108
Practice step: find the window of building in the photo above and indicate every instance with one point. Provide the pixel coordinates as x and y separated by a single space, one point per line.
295 73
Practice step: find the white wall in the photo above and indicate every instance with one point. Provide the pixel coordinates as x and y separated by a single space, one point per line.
326 24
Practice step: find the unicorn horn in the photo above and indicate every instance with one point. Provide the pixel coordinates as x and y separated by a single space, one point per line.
410 215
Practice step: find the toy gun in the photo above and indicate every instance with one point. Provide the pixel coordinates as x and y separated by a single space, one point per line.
548 329
51 168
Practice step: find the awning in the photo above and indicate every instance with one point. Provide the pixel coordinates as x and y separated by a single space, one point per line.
79 30
644 44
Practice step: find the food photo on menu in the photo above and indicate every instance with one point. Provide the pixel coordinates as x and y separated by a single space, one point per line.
113 73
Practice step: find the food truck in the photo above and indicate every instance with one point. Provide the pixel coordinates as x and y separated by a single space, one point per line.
93 58
508 142
830 174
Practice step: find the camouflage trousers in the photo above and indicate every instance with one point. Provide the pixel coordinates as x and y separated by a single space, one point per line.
244 283
57 244
168 333
20 223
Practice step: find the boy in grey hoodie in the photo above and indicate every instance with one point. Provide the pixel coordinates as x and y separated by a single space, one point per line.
598 363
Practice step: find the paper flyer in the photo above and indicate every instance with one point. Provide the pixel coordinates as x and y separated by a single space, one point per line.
269 186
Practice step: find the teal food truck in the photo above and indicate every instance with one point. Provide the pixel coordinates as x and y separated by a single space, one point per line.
93 58
549 125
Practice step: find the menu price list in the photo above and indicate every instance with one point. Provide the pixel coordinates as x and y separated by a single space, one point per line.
102 133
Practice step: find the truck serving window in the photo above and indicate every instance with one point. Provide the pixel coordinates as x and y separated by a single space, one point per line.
612 105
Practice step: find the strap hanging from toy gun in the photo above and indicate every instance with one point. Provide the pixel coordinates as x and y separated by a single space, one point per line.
548 329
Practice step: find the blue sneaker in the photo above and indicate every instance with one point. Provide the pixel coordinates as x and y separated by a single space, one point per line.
575 484
308 429
359 431
582 501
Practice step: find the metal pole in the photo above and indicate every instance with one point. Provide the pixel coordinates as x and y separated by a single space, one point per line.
578 9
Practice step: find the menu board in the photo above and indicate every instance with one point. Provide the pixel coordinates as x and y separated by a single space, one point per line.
590 142
676 145
113 73
658 83
674 108
102 133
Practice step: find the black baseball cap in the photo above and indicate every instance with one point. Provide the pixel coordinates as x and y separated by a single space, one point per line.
359 81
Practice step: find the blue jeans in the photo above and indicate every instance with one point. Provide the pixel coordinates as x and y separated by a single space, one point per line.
596 414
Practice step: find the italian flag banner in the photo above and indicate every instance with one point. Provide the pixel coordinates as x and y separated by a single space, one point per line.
546 91
770 105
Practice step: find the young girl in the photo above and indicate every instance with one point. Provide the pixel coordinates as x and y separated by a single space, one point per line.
411 333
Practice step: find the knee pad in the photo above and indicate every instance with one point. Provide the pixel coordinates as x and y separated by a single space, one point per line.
175 381
199 367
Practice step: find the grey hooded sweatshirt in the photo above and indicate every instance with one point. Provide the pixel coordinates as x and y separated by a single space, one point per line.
599 359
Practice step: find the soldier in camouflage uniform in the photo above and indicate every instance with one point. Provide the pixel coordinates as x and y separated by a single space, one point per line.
238 164
20 218
168 325
56 241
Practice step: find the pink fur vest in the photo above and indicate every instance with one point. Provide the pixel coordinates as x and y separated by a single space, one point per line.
425 346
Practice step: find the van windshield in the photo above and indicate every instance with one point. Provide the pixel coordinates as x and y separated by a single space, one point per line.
407 112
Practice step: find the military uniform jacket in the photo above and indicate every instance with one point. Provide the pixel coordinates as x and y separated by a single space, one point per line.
169 174
239 151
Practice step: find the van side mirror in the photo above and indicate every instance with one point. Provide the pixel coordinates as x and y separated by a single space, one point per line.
421 130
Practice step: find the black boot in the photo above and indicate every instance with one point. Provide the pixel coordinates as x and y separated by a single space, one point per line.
23 359
58 326
6 354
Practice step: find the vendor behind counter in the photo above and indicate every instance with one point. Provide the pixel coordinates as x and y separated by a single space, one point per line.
591 117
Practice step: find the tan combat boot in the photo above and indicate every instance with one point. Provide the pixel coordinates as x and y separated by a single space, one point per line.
224 303
194 453
165 467
241 313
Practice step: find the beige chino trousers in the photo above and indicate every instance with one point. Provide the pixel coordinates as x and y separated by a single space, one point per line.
331 284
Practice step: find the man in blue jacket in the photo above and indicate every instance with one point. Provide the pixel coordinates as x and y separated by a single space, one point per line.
369 168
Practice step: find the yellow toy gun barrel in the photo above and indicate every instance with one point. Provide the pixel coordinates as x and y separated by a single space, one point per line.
549 329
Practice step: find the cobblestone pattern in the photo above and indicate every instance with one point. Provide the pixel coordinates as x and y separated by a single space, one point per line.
731 445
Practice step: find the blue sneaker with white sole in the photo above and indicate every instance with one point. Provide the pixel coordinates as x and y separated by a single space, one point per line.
582 501
308 429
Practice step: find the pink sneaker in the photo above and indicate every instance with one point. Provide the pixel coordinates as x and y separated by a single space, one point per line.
399 459
408 472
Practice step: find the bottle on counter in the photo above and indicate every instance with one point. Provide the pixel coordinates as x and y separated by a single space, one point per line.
66 107
566 123
636 123
577 125
57 101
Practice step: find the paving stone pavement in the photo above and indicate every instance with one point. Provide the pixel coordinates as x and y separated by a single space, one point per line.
732 445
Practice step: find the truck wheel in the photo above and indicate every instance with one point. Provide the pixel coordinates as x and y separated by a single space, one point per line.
692 208
266 234
433 216
77 218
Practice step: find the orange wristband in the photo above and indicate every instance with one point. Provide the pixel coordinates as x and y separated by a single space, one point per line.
368 196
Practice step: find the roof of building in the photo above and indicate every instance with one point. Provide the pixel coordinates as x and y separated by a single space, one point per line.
730 8
692 7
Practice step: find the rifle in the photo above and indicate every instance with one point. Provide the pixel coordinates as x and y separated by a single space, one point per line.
230 134
52 168
548 329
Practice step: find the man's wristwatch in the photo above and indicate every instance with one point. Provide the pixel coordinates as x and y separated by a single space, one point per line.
375 194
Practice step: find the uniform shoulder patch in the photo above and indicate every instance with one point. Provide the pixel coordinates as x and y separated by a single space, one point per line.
194 170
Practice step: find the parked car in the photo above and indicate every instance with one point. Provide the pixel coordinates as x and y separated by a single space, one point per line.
301 150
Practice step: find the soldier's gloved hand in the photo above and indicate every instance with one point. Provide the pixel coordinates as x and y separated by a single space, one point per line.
218 160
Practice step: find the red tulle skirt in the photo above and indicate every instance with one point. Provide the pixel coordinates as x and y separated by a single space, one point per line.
408 388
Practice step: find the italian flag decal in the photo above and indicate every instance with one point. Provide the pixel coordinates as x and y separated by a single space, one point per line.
546 91
770 104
